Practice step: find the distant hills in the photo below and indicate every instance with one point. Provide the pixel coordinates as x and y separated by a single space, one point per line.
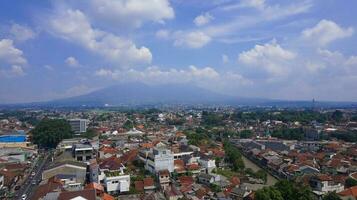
139 94
142 94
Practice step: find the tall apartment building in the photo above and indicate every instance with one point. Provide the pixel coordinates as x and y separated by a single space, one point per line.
78 125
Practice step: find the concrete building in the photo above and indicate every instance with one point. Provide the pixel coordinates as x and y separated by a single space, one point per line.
160 158
323 184
116 182
78 125
78 169
83 152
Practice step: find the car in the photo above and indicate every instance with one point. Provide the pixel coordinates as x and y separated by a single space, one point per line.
17 187
33 182
33 173
23 197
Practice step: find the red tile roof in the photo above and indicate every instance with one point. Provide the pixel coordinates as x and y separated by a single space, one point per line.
186 180
106 196
95 186
352 191
87 194
148 182
139 186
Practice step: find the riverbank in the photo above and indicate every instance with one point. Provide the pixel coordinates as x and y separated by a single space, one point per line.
249 164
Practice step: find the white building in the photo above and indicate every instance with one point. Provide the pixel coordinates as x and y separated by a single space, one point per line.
160 158
208 163
78 125
116 182
323 184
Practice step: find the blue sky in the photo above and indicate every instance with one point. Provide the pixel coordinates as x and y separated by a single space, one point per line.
297 49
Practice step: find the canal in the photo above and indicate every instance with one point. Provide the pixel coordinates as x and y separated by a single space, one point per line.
249 164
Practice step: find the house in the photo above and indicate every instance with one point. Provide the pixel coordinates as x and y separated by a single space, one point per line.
78 169
172 193
149 185
164 179
238 193
52 185
322 184
86 194
349 193
107 152
208 163
206 179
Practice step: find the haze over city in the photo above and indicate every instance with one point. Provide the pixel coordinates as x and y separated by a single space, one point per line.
273 49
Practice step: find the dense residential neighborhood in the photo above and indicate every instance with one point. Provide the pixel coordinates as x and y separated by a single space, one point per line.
182 153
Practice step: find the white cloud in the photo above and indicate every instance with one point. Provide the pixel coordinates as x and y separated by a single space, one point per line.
270 57
155 75
132 12
72 62
12 58
352 61
163 34
195 39
203 19
206 77
258 4
22 33
326 32
74 26
10 54
17 70
48 67
225 59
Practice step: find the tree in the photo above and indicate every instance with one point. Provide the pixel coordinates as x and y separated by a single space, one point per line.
128 125
90 133
246 134
350 182
292 191
337 116
268 193
331 196
49 132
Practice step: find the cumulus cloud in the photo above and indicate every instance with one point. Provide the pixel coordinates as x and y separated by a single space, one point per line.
203 19
270 57
22 33
10 54
325 32
12 58
157 75
72 62
74 26
205 77
132 12
194 39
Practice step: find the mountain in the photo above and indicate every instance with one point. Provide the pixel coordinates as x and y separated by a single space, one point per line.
142 94
139 94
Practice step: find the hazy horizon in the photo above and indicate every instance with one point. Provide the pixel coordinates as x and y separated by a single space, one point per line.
273 49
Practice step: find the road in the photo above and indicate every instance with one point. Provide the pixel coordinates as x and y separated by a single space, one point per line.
27 187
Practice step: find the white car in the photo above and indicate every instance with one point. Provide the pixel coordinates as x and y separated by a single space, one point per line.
23 197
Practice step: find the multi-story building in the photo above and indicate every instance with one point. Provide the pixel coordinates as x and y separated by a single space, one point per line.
78 125
116 182
83 152
322 184
160 158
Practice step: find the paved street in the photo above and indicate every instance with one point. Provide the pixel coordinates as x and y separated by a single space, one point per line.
28 187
